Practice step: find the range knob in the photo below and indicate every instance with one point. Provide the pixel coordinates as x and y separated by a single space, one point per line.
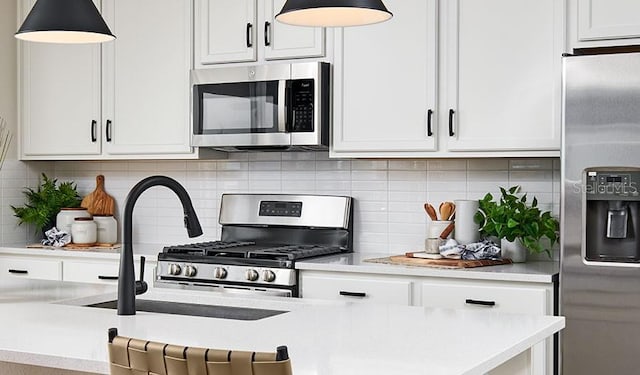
174 269
219 273
251 275
268 276
190 271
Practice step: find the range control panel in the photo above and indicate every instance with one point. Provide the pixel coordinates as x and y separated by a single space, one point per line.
279 208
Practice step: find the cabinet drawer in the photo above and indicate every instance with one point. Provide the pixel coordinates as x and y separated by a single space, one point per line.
31 268
101 272
496 298
356 289
90 272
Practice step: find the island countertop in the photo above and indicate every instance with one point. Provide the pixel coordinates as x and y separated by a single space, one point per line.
324 338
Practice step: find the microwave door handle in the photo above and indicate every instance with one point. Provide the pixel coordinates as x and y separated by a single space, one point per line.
282 109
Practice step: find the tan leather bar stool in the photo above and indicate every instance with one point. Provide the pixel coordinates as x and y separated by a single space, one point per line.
129 356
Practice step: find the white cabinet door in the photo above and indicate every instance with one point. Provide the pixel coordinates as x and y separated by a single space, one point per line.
101 272
59 98
30 268
503 71
367 288
608 19
385 82
283 41
146 76
225 31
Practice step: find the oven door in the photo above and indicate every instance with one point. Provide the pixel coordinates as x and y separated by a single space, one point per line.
240 106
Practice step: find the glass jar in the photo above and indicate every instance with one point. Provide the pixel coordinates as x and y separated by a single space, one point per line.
107 229
84 231
66 216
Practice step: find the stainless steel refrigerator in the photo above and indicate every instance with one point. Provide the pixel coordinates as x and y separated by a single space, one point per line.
600 215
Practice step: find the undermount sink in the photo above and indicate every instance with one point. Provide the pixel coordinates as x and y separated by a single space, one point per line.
192 309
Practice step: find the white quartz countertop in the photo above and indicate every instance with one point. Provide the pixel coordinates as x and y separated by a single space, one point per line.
150 251
324 338
539 271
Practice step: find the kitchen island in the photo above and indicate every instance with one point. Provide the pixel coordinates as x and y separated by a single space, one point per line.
45 324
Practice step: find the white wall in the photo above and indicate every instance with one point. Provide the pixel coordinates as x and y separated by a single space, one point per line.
14 175
389 215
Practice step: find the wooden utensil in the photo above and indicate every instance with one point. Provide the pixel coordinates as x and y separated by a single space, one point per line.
431 212
447 231
446 210
99 202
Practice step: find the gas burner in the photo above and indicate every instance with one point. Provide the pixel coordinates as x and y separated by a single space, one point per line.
204 248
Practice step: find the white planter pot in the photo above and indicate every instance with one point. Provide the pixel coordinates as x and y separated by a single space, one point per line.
513 250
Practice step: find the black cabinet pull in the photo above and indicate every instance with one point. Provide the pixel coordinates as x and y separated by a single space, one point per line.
451 133
101 277
429 117
248 36
480 302
352 294
20 272
267 32
94 136
108 131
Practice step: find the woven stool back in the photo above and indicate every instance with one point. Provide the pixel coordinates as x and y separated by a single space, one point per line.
129 356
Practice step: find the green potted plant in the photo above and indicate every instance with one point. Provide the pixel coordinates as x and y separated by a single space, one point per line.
517 224
44 203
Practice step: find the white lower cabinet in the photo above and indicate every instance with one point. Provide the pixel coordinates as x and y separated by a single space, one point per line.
446 292
30 268
357 288
101 272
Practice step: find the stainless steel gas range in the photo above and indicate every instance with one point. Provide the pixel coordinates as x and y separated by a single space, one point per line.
263 235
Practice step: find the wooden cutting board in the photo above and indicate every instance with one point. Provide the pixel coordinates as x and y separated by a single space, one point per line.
99 202
438 263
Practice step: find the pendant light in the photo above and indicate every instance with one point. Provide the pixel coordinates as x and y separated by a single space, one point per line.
333 13
64 21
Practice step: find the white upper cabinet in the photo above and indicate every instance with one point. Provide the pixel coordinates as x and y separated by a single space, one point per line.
233 31
123 99
59 98
225 31
487 71
602 23
386 83
146 77
503 74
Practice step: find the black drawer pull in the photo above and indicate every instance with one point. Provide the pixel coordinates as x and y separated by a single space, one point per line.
20 272
94 137
451 132
101 277
108 131
429 116
267 33
248 35
352 294
479 302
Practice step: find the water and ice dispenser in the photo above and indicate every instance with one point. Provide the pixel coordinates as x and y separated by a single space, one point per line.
612 220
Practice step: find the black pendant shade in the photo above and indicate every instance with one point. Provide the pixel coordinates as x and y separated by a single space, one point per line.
333 13
64 21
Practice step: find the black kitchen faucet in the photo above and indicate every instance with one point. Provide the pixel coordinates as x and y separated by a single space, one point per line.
128 287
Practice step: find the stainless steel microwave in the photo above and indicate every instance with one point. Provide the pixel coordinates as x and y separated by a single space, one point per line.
275 106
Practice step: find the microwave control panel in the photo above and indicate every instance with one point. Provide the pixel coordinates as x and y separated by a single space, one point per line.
300 106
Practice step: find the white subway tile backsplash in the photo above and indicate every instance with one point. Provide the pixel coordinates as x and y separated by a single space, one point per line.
488 164
447 165
389 214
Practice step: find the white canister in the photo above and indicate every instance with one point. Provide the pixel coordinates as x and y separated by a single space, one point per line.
66 216
107 229
84 231
467 231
